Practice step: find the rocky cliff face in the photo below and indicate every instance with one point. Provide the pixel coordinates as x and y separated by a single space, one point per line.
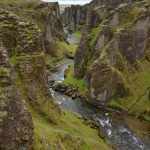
76 16
47 17
53 29
24 84
26 50
16 127
72 17
114 49
81 56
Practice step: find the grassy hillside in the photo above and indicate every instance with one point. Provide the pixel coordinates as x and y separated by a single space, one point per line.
70 132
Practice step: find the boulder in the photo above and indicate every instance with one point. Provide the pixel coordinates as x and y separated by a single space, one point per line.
104 82
102 134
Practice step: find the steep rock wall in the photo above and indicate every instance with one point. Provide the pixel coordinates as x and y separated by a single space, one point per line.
16 126
76 16
81 56
53 29
118 46
24 42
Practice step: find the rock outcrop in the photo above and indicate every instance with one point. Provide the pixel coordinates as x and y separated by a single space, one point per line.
47 17
81 56
75 16
112 49
16 126
53 29
24 42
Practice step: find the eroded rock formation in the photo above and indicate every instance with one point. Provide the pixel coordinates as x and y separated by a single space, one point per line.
81 56
53 30
76 16
16 127
24 83
119 45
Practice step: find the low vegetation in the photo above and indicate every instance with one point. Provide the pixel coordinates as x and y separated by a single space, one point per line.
78 84
77 34
139 81
65 50
70 132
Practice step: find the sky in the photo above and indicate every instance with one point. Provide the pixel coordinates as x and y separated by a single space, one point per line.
69 2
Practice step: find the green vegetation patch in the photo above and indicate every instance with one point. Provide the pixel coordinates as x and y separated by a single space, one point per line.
147 117
128 16
102 12
95 33
64 49
70 132
78 84
77 34
4 70
139 82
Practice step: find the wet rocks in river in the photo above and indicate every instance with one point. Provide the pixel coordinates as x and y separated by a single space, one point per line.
101 134
93 124
67 90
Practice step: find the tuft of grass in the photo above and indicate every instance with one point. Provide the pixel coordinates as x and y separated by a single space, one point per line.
64 49
116 105
74 82
77 34
3 90
94 34
4 70
147 117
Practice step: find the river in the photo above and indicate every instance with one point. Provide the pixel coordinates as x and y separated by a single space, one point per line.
124 132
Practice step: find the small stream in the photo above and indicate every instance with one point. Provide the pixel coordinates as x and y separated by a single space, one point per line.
124 132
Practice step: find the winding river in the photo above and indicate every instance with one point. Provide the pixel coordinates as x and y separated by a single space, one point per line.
124 132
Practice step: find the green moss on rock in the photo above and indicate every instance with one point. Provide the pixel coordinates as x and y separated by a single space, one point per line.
70 79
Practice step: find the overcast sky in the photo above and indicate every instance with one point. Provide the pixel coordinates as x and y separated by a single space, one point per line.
81 2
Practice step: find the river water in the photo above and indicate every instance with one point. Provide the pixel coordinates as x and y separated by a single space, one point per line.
124 132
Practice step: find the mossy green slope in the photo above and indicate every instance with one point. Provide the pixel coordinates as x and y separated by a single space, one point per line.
139 81
71 80
69 133
77 34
